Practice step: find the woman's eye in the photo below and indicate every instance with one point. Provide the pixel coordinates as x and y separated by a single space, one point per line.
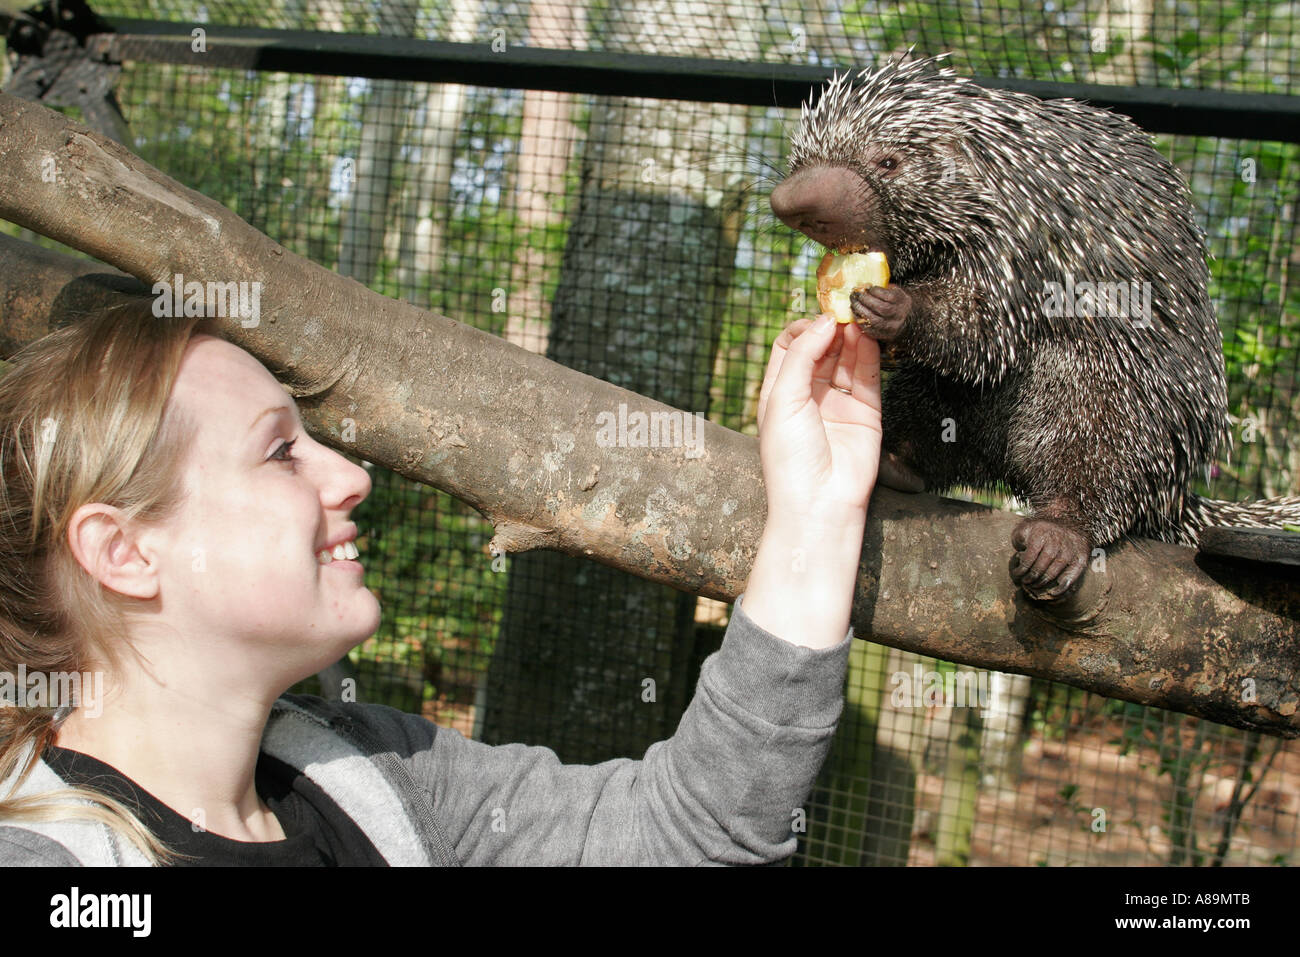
287 449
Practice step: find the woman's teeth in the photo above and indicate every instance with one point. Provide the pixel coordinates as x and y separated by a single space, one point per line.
339 553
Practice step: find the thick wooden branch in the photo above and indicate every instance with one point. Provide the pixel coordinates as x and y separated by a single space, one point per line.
519 438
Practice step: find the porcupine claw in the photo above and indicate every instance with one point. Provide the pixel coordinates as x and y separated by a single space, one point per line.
1050 557
881 311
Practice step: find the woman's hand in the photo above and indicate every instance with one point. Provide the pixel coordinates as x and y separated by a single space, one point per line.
819 420
819 440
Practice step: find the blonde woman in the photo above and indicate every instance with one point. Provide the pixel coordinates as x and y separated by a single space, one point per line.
167 524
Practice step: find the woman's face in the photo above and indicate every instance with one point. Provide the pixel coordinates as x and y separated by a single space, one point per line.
242 576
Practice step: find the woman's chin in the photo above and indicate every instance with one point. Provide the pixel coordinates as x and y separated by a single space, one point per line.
330 653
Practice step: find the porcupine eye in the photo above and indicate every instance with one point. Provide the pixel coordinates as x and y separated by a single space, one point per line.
888 164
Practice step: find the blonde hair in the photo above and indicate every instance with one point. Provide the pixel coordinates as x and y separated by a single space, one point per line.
84 418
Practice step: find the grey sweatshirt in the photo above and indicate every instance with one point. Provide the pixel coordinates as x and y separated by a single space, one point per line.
724 789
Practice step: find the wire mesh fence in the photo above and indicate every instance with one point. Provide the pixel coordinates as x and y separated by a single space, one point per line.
629 238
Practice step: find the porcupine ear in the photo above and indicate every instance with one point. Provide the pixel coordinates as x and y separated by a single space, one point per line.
953 157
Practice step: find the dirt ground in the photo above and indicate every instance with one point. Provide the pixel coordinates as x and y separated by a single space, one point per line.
1031 822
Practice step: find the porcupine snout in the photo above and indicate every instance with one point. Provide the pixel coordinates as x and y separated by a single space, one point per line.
828 204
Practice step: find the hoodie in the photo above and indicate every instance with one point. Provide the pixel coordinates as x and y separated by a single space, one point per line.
724 789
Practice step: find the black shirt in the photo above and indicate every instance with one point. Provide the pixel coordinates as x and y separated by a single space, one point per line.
317 831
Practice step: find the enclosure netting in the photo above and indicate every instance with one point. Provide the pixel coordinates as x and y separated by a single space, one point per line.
630 239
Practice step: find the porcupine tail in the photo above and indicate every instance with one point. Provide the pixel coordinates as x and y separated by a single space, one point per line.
1202 513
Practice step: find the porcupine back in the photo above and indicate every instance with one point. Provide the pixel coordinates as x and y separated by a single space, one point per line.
1016 193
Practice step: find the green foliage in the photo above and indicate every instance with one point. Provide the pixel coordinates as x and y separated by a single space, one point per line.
1178 56
1049 708
1256 304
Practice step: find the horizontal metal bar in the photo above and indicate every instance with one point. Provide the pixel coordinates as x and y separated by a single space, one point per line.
1194 112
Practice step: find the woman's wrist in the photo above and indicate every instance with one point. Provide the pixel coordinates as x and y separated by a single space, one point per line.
832 520
801 586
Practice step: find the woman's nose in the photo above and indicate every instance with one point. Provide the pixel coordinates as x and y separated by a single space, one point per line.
348 484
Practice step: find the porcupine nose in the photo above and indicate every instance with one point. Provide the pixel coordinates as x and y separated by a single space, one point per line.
821 202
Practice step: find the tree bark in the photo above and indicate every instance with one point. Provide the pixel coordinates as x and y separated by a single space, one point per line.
458 409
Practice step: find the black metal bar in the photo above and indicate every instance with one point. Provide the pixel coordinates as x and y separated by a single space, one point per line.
1196 112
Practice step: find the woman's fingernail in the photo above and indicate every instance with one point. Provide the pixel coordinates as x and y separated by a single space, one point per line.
824 320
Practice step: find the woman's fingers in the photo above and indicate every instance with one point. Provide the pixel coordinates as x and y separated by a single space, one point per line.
861 365
812 354
841 374
819 358
798 351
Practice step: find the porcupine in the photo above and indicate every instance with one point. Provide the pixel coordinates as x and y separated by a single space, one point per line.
981 200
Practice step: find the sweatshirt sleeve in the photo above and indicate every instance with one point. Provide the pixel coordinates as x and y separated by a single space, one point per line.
724 789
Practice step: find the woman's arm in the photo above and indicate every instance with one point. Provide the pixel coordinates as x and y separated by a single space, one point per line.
728 785
819 438
726 788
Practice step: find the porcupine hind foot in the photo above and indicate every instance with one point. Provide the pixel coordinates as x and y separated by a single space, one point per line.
1050 557
896 474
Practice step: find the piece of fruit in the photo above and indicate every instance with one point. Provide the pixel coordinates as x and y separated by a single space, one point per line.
838 276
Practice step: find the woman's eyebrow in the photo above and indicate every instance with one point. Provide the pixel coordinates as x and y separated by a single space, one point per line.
274 408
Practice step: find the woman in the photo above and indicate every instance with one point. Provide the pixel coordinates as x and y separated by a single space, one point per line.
167 523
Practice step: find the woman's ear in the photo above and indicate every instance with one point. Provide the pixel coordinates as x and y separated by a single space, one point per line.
108 547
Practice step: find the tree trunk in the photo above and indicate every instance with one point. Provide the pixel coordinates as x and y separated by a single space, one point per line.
608 653
1002 742
425 199
868 786
956 818
545 149
383 118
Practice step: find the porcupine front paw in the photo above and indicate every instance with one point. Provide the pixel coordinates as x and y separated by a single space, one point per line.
881 311
1050 557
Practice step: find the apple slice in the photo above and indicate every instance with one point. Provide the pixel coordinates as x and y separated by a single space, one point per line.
838 276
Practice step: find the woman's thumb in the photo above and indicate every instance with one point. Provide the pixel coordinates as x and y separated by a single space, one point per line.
806 350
